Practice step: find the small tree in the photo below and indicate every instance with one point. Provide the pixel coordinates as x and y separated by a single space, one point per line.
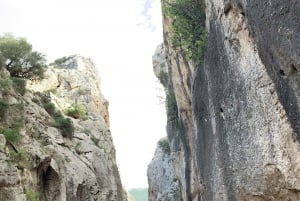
77 111
17 56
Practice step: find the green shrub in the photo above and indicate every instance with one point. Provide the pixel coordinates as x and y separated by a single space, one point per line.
32 196
171 105
60 61
45 97
65 125
5 85
35 100
50 108
163 77
164 145
3 108
19 85
188 28
11 134
77 111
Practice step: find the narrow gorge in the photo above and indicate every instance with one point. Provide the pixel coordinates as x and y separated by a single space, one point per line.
230 73
232 100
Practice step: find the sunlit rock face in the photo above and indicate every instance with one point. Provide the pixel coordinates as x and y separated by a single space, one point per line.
240 109
175 74
61 169
163 183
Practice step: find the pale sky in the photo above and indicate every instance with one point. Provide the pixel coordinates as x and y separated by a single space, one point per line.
121 37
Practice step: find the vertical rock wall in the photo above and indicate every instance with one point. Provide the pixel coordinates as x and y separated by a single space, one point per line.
239 109
163 183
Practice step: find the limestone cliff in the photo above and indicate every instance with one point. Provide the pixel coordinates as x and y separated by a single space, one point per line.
49 163
163 183
238 111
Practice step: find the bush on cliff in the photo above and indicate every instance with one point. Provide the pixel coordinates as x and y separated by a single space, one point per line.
171 106
50 108
77 111
65 125
164 145
12 134
188 28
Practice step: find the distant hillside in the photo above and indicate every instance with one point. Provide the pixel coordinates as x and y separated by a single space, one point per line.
139 194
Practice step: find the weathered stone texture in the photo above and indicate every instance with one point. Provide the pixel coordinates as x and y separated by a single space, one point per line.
61 169
240 115
163 183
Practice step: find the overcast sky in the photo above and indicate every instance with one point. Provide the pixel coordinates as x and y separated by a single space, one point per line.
120 36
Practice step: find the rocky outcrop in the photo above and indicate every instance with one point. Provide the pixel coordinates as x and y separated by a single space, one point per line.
53 167
163 183
239 109
175 74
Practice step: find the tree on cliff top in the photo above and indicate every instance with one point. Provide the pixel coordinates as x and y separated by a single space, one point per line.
188 27
19 59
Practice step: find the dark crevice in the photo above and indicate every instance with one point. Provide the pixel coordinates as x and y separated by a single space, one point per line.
281 72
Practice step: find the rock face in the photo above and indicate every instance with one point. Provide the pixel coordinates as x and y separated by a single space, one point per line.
163 183
53 167
239 110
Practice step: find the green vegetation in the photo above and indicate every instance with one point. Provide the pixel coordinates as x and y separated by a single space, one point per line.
19 85
18 58
188 28
77 111
32 196
163 77
171 105
60 61
50 108
35 100
5 85
139 194
164 145
11 134
3 108
64 124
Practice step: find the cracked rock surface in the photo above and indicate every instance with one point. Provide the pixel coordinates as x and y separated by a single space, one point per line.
61 169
